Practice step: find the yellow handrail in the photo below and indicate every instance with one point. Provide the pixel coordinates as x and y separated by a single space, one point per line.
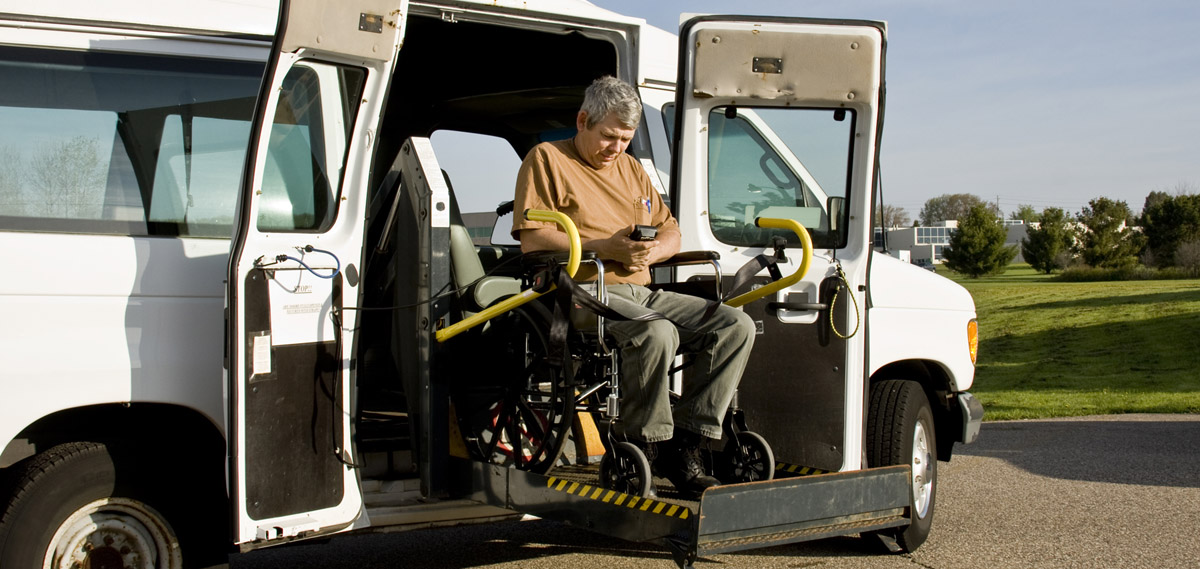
771 288
576 254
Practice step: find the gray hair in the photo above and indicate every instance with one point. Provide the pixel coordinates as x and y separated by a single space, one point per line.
611 95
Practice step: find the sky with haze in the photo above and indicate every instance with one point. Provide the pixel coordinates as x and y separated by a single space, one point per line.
1049 104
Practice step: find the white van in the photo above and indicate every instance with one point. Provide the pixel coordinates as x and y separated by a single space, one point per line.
338 413
123 131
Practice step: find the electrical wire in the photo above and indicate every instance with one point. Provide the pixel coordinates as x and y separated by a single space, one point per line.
833 304
310 249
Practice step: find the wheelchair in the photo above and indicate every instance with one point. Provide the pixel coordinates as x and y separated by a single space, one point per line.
520 410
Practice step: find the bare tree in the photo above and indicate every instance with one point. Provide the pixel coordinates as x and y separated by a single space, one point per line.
12 202
1188 255
69 178
892 216
953 206
1185 188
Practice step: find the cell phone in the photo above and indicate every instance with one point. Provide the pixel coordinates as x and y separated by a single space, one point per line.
643 233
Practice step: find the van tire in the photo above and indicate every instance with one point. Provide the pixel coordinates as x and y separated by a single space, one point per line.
900 430
57 494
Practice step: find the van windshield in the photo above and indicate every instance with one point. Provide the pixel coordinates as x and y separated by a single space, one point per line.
125 144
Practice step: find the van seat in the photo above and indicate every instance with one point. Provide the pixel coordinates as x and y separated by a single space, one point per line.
466 267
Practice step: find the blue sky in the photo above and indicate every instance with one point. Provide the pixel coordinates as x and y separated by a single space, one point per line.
1048 103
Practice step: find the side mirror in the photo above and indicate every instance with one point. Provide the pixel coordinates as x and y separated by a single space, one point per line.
836 207
501 235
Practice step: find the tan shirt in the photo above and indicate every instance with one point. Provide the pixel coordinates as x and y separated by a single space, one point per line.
601 202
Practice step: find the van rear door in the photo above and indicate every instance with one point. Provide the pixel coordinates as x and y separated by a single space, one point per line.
294 268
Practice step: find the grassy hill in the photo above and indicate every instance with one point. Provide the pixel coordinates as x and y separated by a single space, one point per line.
1050 349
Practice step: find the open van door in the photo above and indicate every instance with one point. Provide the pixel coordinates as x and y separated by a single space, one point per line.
780 118
294 268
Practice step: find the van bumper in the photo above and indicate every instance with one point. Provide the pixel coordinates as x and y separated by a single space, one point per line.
972 416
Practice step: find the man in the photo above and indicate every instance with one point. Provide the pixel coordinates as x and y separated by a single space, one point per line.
606 192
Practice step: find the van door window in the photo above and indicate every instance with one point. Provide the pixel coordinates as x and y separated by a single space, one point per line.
785 163
660 142
307 147
94 142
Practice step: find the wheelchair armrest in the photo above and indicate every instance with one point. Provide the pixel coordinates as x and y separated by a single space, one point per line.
689 258
712 290
539 259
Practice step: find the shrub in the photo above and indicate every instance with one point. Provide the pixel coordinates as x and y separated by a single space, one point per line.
1131 273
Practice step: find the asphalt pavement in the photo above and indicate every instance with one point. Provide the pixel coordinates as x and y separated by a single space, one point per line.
1102 492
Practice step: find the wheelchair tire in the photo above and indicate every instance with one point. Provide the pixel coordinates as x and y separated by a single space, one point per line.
520 414
625 469
747 458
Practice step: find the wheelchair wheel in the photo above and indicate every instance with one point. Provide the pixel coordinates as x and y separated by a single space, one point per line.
519 412
625 469
747 458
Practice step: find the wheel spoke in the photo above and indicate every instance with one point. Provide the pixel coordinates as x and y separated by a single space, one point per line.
514 441
498 427
536 425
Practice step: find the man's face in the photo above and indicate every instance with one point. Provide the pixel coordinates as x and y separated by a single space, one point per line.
601 144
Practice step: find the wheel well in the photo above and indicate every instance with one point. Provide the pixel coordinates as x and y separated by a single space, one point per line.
936 383
178 438
170 457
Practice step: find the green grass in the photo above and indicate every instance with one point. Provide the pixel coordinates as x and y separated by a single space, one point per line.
1057 349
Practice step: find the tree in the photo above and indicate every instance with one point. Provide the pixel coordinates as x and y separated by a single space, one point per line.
1026 213
12 200
891 216
1044 245
1188 255
1154 199
1106 240
953 206
1168 222
69 178
977 247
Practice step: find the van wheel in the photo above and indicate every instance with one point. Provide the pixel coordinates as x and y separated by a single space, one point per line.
900 431
71 506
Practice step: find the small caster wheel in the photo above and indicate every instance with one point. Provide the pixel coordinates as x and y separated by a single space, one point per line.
625 469
747 458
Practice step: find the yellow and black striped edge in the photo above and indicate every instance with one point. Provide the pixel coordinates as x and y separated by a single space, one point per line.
619 499
798 470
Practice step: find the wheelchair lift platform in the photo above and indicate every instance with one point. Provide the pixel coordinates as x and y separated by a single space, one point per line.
726 518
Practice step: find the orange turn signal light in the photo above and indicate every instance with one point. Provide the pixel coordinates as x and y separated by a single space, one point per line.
973 338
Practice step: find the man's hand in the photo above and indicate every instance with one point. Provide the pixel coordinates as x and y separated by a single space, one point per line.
636 256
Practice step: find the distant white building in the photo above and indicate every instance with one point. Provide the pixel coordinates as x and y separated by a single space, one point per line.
926 242
923 243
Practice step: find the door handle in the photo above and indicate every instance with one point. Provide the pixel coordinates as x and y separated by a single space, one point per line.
796 306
